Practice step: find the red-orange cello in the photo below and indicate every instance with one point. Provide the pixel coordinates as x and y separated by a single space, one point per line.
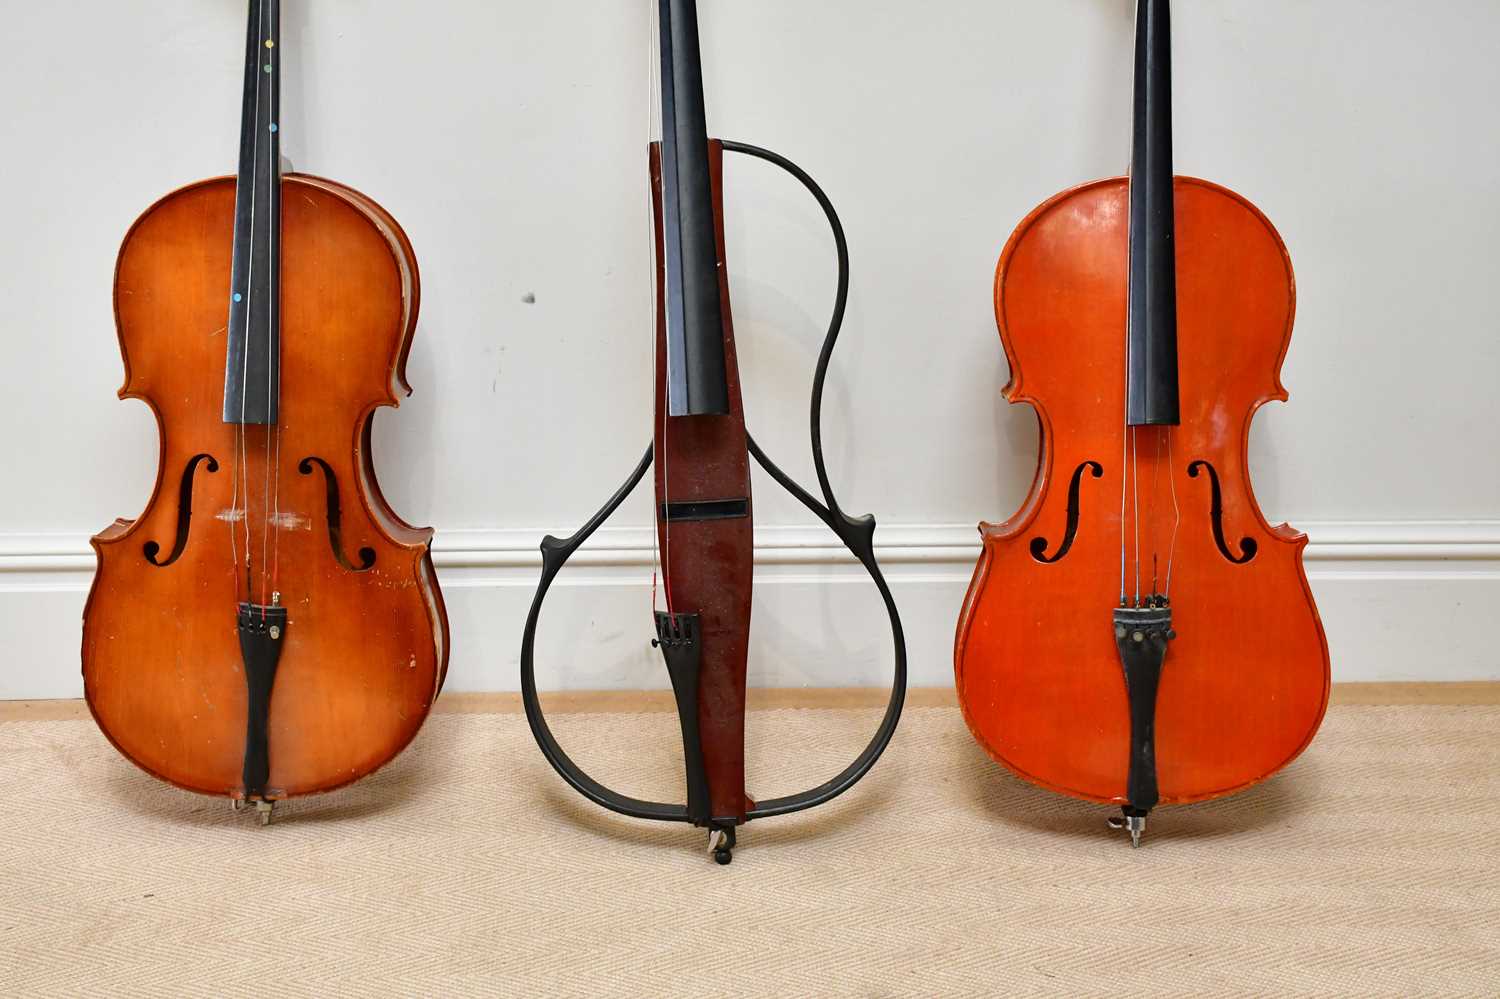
1138 633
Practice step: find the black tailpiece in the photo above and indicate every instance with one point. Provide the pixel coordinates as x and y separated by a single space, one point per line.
262 634
677 636
1141 635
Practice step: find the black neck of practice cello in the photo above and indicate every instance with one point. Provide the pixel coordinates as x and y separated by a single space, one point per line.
696 379
1151 378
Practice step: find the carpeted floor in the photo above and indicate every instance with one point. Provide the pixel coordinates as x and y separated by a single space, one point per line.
1371 866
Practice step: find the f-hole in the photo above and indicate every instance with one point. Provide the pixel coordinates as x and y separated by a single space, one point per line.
335 530
1248 547
184 512
1039 544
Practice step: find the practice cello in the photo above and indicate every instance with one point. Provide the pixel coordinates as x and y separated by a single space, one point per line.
268 627
1138 633
702 480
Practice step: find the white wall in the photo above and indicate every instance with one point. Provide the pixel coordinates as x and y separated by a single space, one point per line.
509 139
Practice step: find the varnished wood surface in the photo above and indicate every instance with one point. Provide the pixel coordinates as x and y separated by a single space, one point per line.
707 565
412 300
364 652
1246 680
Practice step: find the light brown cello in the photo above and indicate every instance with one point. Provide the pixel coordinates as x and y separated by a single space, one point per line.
1138 633
268 627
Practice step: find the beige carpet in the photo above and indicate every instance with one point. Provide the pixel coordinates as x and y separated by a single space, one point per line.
1372 866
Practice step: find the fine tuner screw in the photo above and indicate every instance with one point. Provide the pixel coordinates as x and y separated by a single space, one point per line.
1140 636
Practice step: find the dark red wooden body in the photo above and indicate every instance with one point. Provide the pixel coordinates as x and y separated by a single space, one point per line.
707 564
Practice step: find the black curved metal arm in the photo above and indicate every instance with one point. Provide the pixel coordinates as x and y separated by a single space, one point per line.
556 552
835 324
856 533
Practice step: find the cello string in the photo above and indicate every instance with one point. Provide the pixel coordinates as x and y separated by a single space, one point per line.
234 501
657 561
1124 450
234 510
1135 511
660 539
1176 513
1125 396
276 516
265 493
265 520
242 441
273 344
1124 480
1151 501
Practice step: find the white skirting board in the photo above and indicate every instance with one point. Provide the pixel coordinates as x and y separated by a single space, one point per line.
1408 600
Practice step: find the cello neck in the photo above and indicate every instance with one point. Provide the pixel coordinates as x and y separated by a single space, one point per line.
252 380
1151 385
696 378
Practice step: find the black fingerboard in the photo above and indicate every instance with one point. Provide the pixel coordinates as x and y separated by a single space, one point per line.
1151 384
252 364
696 380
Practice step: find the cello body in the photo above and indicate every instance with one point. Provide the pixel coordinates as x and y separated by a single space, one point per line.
365 649
1039 678
1137 633
268 627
